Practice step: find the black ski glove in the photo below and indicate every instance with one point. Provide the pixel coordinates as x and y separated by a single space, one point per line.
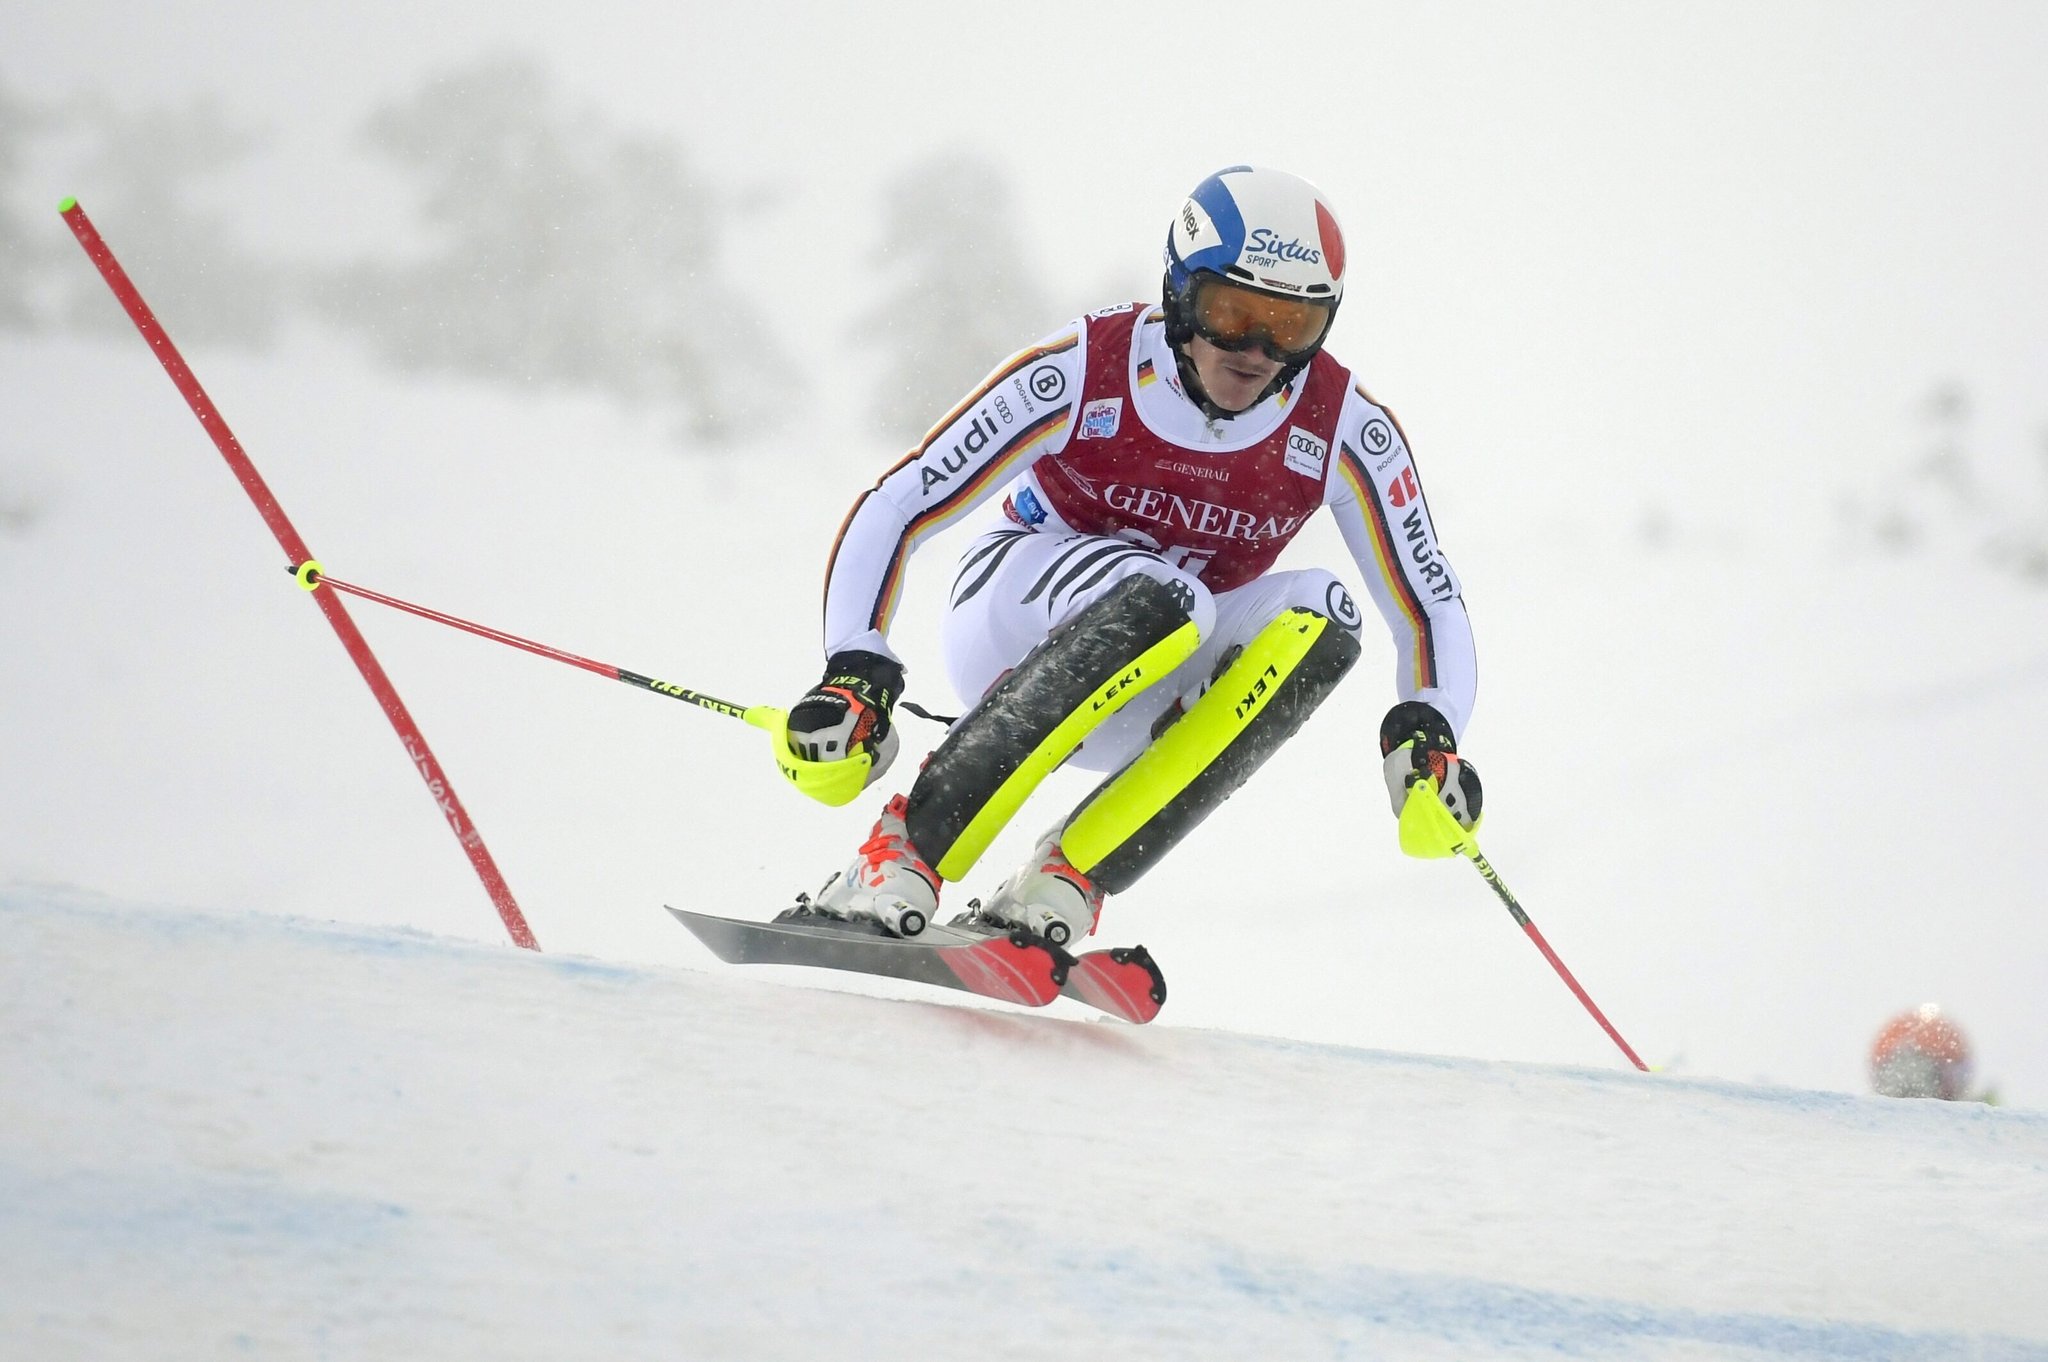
848 712
1416 744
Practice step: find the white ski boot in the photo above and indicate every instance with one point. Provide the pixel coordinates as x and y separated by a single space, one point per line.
1047 896
888 881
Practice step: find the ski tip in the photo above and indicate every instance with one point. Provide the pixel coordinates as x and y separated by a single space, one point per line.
1124 982
67 205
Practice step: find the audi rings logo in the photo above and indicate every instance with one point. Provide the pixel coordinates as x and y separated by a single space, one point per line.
1378 438
1341 607
1048 384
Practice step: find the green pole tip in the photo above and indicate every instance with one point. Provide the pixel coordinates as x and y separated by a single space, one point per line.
67 205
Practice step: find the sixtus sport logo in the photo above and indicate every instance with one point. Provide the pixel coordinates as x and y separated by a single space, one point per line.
1265 241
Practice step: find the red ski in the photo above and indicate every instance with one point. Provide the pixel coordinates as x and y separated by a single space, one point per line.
1014 966
1018 968
1122 981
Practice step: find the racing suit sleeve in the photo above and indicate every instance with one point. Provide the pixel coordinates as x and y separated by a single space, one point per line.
1377 500
994 433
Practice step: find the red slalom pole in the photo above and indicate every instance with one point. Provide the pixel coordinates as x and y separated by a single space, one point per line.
288 538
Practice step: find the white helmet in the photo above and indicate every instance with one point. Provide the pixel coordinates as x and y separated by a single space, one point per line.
1266 229
1260 230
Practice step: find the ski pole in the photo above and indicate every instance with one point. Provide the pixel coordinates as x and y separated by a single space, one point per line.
287 536
1428 830
1494 882
312 576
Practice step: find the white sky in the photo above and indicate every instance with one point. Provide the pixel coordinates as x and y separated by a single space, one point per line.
1676 243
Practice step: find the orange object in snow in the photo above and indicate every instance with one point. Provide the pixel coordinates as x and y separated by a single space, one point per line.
1920 1053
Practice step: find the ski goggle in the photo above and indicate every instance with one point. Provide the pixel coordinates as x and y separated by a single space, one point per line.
1232 317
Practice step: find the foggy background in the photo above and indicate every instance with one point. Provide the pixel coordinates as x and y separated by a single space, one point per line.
1720 334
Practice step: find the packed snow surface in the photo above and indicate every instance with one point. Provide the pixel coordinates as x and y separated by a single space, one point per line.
254 1135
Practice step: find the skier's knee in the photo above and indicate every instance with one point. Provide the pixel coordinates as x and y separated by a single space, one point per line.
1314 589
1073 584
1325 593
1090 666
1265 695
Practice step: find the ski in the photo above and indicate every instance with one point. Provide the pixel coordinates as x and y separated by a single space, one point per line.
1123 981
1018 968
1013 966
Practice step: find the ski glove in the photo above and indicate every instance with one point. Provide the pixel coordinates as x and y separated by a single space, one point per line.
843 717
1416 744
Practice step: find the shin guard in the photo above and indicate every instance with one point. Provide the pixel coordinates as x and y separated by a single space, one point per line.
1033 719
1141 812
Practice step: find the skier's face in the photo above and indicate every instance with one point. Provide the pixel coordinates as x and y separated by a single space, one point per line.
1233 379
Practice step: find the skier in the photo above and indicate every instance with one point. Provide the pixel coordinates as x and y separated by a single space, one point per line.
1123 615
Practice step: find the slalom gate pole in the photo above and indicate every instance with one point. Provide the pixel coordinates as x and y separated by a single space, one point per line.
287 536
312 577
1493 880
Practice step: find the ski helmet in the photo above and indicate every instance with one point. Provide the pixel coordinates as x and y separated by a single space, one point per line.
1920 1054
1254 257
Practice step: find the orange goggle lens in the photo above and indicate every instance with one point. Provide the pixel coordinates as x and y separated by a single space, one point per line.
1234 317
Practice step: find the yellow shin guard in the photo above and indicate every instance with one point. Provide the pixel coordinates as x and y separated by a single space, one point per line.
1037 715
1141 812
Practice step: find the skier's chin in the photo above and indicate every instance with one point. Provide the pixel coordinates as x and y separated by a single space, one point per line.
1234 391
1230 379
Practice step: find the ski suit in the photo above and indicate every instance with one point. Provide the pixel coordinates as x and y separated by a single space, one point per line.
1106 468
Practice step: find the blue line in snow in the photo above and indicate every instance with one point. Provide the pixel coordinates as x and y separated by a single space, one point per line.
1361 1303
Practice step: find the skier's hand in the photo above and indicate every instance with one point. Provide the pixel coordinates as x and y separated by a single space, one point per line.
1416 744
839 739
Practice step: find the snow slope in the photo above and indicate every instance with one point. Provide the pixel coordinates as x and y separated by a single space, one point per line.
253 1135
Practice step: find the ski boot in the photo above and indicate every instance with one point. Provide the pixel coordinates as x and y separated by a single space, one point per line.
888 882
1047 897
